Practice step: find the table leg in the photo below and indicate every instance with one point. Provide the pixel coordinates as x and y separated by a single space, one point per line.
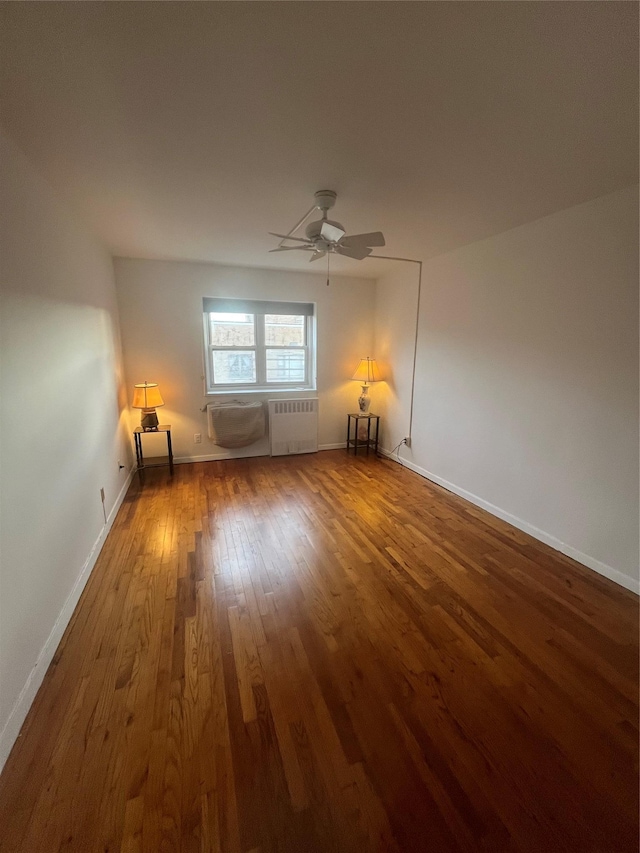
170 448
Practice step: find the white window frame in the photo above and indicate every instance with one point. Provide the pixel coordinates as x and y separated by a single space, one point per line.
260 347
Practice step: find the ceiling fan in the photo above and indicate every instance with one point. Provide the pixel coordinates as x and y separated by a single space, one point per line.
328 237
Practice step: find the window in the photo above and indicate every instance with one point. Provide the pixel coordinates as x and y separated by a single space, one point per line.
253 345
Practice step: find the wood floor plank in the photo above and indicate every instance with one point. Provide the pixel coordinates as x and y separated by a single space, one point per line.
328 653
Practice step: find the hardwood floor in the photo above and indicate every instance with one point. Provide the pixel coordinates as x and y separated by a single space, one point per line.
324 653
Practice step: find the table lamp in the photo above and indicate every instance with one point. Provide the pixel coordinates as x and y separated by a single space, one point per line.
147 397
366 372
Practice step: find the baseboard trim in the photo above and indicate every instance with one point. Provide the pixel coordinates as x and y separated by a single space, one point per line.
11 730
214 457
557 544
219 457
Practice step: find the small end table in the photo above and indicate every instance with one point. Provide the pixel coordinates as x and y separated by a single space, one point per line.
356 442
154 461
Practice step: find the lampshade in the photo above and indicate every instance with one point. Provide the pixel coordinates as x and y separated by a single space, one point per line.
367 371
147 396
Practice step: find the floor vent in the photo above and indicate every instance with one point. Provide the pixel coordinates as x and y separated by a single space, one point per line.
293 426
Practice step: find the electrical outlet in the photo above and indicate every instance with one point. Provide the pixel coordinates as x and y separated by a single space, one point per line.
102 495
407 441
197 438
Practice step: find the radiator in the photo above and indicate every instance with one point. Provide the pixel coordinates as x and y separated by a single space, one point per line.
293 426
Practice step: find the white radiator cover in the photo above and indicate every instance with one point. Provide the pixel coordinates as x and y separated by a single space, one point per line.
293 426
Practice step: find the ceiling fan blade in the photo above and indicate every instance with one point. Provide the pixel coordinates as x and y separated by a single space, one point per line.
357 252
331 232
290 249
285 237
375 238
316 256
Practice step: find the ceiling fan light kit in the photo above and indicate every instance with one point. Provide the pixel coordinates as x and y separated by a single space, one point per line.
326 237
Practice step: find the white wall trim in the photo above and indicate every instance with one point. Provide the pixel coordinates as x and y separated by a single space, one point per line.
217 457
590 562
11 730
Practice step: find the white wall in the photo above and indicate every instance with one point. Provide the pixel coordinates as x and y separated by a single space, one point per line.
526 393
161 320
395 325
61 431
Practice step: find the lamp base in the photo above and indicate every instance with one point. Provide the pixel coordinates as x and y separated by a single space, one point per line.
364 401
149 420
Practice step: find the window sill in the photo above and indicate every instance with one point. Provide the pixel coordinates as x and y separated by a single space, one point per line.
238 391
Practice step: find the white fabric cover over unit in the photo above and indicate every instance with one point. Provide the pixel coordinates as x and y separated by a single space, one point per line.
235 424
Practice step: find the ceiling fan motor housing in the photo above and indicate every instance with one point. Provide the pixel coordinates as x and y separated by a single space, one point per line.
313 229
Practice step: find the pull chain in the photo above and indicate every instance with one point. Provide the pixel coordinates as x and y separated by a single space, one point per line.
328 256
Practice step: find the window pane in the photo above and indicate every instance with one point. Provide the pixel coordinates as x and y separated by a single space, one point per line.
232 330
284 330
234 367
285 365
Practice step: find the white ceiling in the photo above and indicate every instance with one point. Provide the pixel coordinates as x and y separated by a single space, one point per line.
189 130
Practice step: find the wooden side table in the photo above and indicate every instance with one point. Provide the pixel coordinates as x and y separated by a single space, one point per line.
356 442
154 461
